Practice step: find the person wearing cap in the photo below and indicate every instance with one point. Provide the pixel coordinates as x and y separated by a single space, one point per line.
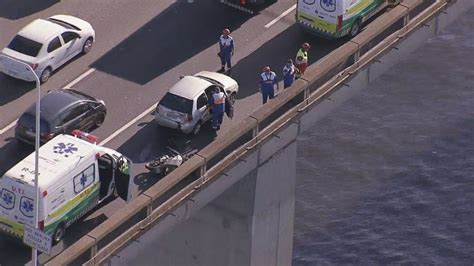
226 50
301 62
218 108
288 74
268 79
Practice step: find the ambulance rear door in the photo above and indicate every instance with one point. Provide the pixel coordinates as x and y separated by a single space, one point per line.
124 178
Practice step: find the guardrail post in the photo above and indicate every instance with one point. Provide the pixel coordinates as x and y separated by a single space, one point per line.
149 207
202 169
306 93
93 251
356 56
406 19
357 53
255 130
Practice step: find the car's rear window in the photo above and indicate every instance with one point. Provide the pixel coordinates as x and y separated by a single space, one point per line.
25 46
29 121
177 103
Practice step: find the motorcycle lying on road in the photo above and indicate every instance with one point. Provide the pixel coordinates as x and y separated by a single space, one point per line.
164 164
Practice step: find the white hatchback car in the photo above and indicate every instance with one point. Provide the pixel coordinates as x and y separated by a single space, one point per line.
186 105
46 44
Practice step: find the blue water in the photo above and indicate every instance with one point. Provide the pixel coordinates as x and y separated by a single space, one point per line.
388 178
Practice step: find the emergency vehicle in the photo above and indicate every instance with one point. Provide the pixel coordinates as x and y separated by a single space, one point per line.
74 176
337 18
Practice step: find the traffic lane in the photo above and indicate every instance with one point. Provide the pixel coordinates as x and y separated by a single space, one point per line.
125 99
107 19
142 182
165 41
130 100
139 66
152 133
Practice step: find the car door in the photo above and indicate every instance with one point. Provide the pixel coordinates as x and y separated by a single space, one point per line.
229 106
74 118
89 116
123 177
107 168
202 108
55 52
71 43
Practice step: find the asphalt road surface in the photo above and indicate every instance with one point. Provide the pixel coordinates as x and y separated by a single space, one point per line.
141 50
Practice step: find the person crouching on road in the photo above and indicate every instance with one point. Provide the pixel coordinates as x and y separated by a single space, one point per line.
301 62
226 46
268 79
218 108
288 74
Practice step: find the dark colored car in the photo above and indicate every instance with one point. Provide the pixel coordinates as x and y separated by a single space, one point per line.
62 111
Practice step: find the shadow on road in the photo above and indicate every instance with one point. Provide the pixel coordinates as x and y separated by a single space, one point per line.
15 9
177 34
12 153
12 89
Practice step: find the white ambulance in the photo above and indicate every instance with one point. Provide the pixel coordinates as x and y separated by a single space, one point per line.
74 176
337 18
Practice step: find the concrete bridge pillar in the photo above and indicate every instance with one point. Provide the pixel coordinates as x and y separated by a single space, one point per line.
251 223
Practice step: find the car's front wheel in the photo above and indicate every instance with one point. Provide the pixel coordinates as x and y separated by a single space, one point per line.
87 45
45 75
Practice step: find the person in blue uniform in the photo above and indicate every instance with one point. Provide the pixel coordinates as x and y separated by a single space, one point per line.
288 74
226 50
268 79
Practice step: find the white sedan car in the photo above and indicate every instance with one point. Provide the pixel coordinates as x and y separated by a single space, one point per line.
46 44
186 105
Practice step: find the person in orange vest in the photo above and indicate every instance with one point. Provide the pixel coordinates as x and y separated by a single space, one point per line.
218 108
301 62
268 79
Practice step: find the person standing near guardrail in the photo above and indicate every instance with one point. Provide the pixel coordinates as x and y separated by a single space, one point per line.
268 79
288 74
218 108
226 50
301 62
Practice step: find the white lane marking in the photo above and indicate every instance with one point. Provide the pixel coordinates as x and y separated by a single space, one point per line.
124 127
81 77
269 24
5 129
68 86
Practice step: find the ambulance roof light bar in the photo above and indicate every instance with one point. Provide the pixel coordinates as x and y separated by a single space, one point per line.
85 136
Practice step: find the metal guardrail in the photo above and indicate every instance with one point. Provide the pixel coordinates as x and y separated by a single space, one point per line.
248 134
